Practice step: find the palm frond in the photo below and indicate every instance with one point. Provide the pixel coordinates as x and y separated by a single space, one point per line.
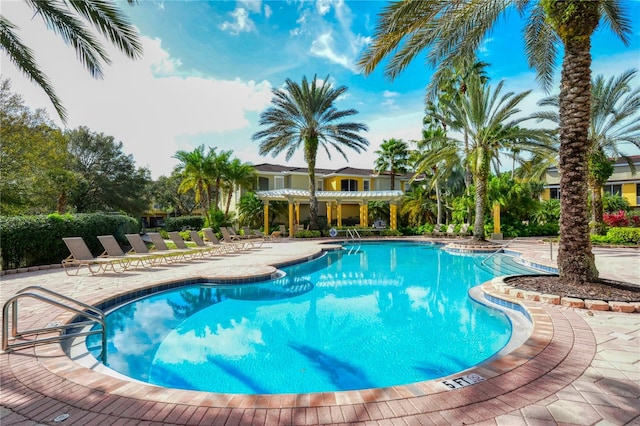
22 57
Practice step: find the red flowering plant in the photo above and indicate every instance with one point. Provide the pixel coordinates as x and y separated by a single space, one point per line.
618 219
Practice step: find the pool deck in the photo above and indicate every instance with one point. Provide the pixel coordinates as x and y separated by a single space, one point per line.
579 367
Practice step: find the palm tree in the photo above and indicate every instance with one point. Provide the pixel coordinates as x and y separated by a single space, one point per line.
417 206
72 20
614 121
487 117
219 169
305 115
197 174
455 30
393 156
238 175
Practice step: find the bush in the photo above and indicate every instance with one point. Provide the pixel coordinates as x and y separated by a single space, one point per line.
37 240
622 236
181 223
307 234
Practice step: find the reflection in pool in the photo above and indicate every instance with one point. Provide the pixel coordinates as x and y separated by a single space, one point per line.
373 315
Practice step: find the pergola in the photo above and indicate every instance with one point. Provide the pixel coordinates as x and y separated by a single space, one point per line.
295 197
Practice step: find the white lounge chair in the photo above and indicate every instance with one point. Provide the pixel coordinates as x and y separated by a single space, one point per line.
139 246
81 256
161 246
112 249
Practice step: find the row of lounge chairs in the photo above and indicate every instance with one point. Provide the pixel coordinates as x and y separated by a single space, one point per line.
450 231
116 260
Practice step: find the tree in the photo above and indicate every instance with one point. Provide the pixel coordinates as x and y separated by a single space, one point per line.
251 210
72 20
393 156
107 179
166 196
488 118
239 175
417 206
197 174
220 169
305 115
614 122
455 30
33 158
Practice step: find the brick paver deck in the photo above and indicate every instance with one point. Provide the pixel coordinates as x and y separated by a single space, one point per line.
578 367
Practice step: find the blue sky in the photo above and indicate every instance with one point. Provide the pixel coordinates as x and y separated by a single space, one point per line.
209 68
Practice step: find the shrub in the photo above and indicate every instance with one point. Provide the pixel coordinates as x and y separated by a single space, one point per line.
37 240
182 223
622 235
307 234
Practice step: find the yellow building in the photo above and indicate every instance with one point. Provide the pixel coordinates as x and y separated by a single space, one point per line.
343 194
623 182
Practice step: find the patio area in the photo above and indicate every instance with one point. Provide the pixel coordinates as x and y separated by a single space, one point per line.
579 367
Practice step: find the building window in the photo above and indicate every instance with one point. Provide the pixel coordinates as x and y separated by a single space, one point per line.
278 182
554 193
348 185
613 189
637 194
263 184
366 185
319 185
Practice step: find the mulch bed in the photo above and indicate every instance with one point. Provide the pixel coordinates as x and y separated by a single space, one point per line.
608 291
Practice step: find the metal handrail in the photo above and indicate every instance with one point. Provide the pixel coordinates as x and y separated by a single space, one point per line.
91 313
354 234
502 247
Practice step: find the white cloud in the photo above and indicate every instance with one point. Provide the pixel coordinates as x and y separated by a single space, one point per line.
267 11
151 105
241 23
254 6
483 48
323 46
323 7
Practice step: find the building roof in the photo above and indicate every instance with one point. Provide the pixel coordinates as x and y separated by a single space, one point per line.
347 196
344 171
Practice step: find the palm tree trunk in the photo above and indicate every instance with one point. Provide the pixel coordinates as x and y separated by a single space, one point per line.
393 179
229 196
311 149
597 208
467 171
480 180
576 263
439 203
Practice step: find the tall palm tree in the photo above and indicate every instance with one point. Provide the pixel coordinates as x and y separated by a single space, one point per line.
197 174
614 122
238 175
488 118
220 163
393 156
434 140
73 22
455 30
304 115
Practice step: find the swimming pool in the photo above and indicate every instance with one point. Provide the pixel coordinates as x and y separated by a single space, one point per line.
373 315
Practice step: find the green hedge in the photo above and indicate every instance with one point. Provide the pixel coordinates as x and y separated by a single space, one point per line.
184 222
622 236
37 240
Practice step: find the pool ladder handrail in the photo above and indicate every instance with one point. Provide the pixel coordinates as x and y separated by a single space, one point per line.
502 247
354 234
91 313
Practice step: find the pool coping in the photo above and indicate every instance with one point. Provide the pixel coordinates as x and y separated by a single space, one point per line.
538 357
559 350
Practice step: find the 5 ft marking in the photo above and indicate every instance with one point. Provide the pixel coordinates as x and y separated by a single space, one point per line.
462 381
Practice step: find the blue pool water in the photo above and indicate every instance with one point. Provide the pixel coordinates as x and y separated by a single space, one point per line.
374 315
